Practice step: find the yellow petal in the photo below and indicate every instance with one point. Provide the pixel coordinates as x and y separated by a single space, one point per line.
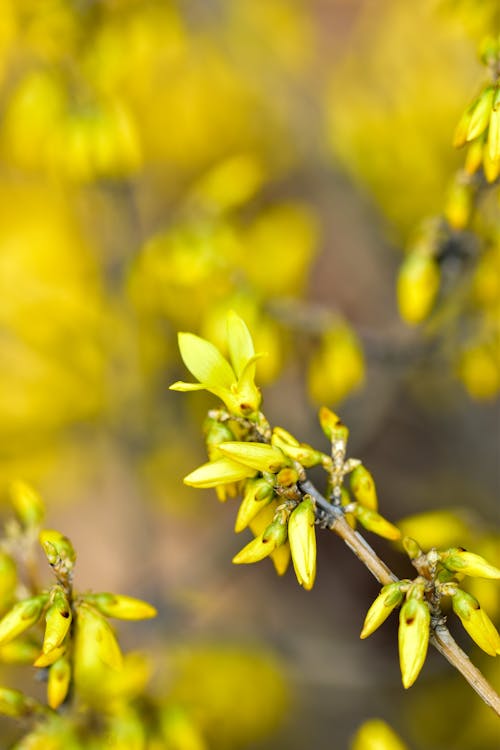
302 539
205 361
258 456
222 471
413 638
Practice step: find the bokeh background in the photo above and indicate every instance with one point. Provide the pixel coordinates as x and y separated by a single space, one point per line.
163 161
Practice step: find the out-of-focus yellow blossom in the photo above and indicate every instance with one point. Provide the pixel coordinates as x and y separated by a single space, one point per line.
375 734
390 122
337 367
479 370
209 682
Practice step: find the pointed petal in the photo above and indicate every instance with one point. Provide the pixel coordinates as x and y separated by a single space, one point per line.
205 361
258 456
239 341
222 471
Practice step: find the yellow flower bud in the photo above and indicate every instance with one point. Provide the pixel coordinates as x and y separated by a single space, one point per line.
57 548
120 606
27 504
21 617
332 426
58 683
46 660
95 641
460 136
412 548
221 471
284 437
389 598
281 558
481 112
363 487
258 492
374 522
460 561
58 621
417 287
375 734
258 456
302 538
413 637
254 551
216 433
474 157
476 622
281 555
276 533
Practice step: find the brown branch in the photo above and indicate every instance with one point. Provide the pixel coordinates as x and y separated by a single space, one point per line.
440 637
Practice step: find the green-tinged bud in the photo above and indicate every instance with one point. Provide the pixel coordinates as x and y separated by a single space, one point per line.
258 492
221 471
8 581
58 549
417 287
302 538
413 637
258 456
58 683
363 487
281 555
46 660
120 606
481 113
301 452
216 433
494 129
304 454
275 533
469 564
374 522
14 703
22 616
282 436
27 504
460 136
95 640
476 622
58 621
19 651
389 598
375 734
254 551
412 548
332 426
265 489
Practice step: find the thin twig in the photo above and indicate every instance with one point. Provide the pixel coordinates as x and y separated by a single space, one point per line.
440 637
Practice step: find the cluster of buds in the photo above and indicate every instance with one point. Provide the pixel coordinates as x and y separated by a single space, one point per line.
441 572
479 126
77 637
267 467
